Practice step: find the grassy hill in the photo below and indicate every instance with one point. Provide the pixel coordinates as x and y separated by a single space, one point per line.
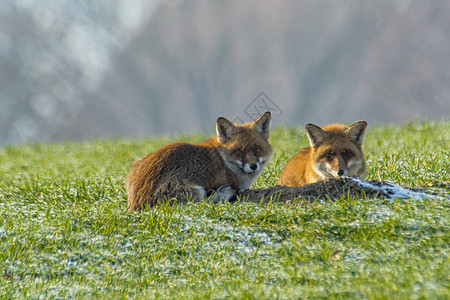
65 232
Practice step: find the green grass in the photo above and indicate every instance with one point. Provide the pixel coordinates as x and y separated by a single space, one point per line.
65 232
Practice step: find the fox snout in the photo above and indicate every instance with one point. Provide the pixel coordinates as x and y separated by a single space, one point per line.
341 171
249 164
251 167
248 161
338 167
342 167
333 166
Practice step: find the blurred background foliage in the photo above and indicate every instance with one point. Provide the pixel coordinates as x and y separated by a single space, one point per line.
74 70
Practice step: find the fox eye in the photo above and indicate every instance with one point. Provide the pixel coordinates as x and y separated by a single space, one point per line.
329 156
238 152
257 151
346 154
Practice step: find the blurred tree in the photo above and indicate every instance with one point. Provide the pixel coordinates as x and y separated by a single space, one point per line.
82 69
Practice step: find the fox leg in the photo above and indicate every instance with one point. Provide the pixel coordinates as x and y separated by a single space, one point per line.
184 192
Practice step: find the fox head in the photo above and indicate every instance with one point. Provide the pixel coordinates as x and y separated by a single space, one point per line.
245 148
337 149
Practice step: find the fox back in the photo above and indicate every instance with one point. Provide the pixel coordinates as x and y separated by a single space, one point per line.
335 150
219 167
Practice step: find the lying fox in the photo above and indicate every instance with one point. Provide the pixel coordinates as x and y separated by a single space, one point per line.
335 150
217 168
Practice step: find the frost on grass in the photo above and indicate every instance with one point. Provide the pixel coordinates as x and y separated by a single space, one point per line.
241 239
379 214
375 216
355 255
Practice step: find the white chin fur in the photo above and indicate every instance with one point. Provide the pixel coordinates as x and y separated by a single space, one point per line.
325 171
246 178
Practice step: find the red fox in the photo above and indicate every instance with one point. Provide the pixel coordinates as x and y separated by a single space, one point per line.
335 150
217 168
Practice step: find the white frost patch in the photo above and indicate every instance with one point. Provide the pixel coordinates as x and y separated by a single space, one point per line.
378 215
393 191
355 255
355 224
241 237
374 216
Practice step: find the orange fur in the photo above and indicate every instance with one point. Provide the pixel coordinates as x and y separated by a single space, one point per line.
335 150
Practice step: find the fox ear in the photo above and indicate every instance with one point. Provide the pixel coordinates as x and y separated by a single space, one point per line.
224 129
356 131
316 135
262 124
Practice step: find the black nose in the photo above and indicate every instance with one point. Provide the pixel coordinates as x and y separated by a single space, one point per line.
253 167
341 172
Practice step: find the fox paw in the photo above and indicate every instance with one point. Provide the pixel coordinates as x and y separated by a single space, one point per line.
223 194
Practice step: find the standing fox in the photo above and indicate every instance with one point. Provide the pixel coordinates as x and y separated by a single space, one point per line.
219 167
335 150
